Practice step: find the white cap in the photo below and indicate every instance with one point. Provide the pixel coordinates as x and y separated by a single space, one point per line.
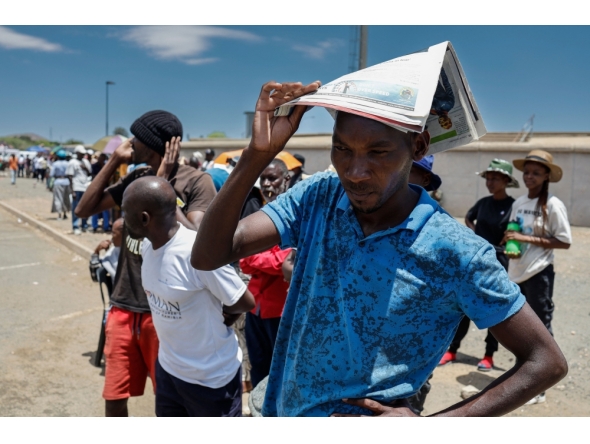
89 151
199 156
80 149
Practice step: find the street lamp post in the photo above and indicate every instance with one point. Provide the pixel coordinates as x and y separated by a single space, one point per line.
107 119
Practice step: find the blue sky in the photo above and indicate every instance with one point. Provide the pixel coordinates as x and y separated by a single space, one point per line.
54 76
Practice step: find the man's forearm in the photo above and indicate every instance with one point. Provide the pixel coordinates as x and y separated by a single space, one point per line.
215 239
93 195
508 392
539 365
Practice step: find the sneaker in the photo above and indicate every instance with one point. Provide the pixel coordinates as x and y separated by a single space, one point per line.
539 399
447 358
77 231
486 364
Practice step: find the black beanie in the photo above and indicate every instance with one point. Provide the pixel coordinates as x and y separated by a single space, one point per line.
155 128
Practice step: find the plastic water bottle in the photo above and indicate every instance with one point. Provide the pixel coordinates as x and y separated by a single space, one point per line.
512 249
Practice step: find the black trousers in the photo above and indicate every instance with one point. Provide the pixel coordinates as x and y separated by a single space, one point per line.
491 342
538 291
261 335
176 398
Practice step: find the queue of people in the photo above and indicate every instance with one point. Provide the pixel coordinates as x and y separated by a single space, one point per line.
346 289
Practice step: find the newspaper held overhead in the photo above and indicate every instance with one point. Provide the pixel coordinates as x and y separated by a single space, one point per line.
424 90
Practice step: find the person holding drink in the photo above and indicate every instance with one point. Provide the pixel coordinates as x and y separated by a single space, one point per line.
544 226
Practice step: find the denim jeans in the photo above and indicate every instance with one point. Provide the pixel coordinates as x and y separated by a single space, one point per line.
13 176
75 219
106 219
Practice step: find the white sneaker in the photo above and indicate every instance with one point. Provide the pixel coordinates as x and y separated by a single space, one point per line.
77 231
539 399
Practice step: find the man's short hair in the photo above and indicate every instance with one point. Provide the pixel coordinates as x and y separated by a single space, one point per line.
281 165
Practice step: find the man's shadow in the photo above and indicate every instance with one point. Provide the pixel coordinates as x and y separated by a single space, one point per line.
477 379
91 358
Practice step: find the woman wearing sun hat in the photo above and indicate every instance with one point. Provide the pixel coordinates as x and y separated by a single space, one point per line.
544 226
488 218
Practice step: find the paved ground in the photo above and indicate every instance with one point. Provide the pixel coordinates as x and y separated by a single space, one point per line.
50 323
49 328
31 197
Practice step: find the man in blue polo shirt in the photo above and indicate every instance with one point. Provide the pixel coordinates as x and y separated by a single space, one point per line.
383 276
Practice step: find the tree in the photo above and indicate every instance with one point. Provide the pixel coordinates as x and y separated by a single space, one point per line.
120 131
217 135
73 142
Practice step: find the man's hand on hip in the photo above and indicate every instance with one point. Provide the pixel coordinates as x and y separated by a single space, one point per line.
397 408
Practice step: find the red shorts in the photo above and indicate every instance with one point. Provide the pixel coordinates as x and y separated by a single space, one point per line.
130 351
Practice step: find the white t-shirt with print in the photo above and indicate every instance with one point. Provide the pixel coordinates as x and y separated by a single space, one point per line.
195 345
534 258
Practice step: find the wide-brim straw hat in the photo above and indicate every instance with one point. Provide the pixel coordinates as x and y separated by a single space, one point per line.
544 158
501 166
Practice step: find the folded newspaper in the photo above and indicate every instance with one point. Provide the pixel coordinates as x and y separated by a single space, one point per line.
424 90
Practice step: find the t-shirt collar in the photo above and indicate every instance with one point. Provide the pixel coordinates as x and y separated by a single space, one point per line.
425 208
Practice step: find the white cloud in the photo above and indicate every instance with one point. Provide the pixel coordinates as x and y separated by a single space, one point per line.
200 61
10 39
182 43
320 49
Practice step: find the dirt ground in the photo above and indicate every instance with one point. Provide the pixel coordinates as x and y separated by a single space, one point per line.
51 316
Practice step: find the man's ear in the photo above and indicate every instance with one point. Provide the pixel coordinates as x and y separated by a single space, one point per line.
145 218
421 145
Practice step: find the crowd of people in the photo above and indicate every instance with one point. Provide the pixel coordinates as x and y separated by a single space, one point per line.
342 290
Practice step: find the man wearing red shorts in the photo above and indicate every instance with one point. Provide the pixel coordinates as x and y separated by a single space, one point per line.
131 346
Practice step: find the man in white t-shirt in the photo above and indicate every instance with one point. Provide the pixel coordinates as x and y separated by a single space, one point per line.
198 372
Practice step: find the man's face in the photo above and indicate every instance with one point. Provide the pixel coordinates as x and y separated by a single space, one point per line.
80 156
141 152
273 182
208 156
372 160
420 177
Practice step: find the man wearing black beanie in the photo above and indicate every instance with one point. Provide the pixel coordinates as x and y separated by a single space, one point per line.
131 342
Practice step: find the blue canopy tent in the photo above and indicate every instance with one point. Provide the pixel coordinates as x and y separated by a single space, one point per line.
38 149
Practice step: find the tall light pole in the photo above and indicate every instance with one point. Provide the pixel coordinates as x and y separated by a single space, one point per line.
107 120
364 40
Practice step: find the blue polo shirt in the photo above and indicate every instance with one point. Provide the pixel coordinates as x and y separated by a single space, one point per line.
372 316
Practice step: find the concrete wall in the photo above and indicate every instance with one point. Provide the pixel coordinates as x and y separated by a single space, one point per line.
461 187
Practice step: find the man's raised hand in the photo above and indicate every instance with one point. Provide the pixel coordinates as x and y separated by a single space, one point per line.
170 158
270 134
124 152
